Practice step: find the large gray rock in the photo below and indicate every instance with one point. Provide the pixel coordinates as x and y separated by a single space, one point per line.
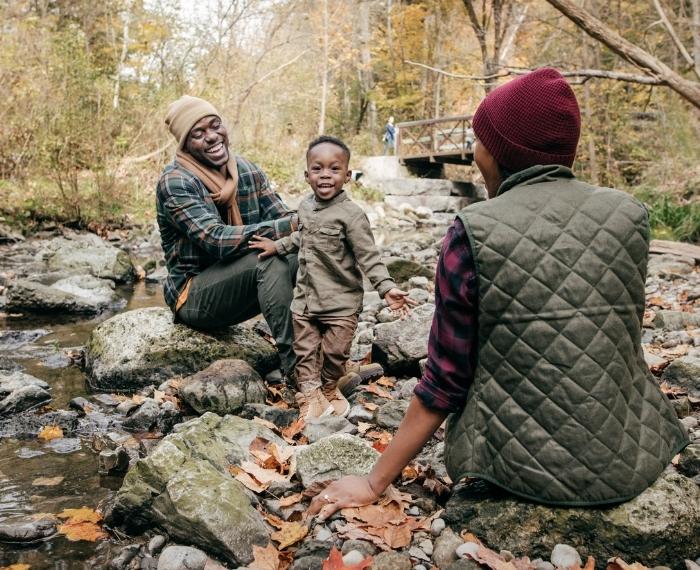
77 294
20 392
184 487
400 345
79 254
334 457
684 372
659 527
141 347
401 270
668 266
675 320
435 203
27 529
224 387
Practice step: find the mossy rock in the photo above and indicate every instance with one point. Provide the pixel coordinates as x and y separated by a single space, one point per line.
145 346
401 270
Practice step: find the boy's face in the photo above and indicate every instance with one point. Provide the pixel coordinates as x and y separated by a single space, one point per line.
327 170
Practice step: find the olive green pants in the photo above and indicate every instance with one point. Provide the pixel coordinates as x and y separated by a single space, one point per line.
232 291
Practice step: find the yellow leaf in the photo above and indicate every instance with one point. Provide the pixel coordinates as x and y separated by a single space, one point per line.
246 480
48 433
82 531
267 558
16 567
289 534
84 514
47 481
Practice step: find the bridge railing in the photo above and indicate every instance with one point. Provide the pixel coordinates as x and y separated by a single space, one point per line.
431 139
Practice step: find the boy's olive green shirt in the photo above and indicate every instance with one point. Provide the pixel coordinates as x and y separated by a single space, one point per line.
334 242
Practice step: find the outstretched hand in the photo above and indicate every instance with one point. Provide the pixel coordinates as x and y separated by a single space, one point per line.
350 491
398 301
265 245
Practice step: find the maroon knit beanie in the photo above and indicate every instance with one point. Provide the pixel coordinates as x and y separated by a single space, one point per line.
533 119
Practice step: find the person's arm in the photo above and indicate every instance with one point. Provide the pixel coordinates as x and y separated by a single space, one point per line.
417 427
443 387
186 210
282 246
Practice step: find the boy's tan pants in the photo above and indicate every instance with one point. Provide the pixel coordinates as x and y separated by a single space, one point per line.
322 346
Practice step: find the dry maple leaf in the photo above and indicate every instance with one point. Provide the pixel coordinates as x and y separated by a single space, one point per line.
82 531
245 479
386 382
83 514
16 567
267 558
266 423
290 533
377 391
293 430
370 406
291 500
362 427
335 562
48 433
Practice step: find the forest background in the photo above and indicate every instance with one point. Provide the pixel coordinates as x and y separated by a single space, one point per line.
85 85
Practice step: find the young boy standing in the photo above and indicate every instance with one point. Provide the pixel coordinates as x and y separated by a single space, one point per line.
334 242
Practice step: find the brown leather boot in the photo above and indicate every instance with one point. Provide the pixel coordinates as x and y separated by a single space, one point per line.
341 407
313 405
358 374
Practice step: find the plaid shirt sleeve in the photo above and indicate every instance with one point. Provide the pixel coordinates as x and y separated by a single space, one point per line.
452 345
186 210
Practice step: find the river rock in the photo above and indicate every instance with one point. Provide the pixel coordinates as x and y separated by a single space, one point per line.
333 458
391 561
400 345
660 526
141 347
29 424
20 392
27 529
668 266
182 558
684 372
391 414
689 461
320 428
79 254
224 387
675 320
184 488
401 270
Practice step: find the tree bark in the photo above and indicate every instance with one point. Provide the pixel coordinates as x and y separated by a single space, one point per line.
125 50
695 27
324 71
654 67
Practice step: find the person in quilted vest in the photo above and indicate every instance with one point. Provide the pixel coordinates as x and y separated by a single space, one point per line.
535 348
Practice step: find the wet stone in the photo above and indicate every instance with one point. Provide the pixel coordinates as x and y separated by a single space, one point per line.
182 558
20 392
278 416
127 554
113 461
319 428
26 529
156 543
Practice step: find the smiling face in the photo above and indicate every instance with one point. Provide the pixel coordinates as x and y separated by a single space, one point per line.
327 170
208 142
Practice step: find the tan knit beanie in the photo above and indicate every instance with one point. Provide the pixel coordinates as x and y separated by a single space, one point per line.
184 113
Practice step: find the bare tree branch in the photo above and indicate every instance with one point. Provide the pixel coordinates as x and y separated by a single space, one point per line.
651 65
672 33
695 27
583 75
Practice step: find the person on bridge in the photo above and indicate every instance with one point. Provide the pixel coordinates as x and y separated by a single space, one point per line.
389 136
209 204
535 344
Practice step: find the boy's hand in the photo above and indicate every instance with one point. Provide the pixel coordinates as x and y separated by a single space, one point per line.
265 245
398 300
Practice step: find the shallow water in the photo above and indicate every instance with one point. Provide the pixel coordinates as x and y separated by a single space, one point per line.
23 461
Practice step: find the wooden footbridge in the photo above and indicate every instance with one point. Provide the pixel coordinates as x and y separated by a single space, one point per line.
445 140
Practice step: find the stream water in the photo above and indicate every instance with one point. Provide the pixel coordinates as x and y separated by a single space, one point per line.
25 462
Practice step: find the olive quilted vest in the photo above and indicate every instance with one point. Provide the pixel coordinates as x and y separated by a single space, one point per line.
563 409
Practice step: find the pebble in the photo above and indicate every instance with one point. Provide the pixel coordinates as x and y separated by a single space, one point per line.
542 564
366 548
445 546
392 561
419 567
323 534
156 543
565 556
436 527
182 558
426 546
507 555
690 422
418 282
414 511
353 557
470 548
418 553
127 554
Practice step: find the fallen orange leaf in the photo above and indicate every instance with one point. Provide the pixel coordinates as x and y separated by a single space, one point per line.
267 558
82 531
291 500
83 514
48 433
377 391
292 430
16 567
245 479
335 562
289 534
370 406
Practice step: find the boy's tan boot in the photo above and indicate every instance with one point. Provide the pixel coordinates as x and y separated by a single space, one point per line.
358 374
313 405
341 407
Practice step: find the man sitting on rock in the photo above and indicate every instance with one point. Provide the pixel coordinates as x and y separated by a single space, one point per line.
209 204
535 343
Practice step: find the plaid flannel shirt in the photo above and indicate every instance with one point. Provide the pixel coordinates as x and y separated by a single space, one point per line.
192 232
452 345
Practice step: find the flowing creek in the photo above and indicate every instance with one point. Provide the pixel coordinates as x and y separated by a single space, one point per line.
24 461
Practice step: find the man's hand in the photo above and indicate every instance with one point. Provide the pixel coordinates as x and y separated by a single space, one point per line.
398 300
350 491
265 245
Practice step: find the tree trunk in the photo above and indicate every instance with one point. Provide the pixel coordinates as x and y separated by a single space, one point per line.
324 71
689 90
125 50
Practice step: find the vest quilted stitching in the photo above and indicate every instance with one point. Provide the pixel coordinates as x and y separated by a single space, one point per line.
563 409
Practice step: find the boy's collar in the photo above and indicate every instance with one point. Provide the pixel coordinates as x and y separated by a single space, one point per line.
322 204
